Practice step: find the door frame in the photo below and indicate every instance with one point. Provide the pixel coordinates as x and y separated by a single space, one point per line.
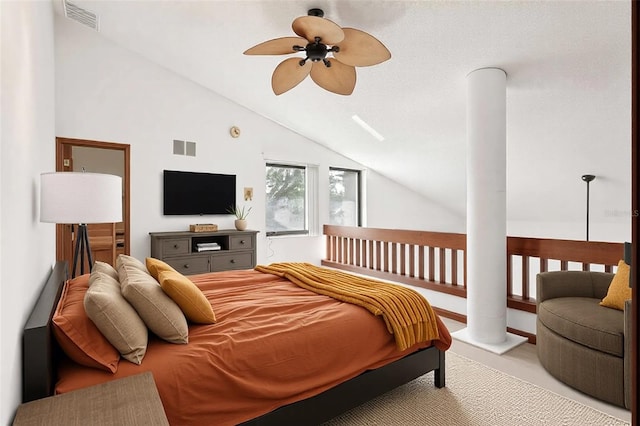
65 144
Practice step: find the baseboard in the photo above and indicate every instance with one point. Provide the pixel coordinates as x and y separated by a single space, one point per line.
531 338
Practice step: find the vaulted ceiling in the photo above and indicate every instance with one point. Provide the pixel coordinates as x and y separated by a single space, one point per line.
568 68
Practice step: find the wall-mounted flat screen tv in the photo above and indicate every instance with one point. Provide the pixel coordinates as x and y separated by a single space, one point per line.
194 193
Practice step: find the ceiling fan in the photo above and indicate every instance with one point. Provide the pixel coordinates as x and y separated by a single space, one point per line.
319 37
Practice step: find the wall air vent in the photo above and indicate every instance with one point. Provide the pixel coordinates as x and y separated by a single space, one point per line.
81 15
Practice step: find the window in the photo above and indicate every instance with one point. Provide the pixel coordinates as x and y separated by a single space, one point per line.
344 197
287 201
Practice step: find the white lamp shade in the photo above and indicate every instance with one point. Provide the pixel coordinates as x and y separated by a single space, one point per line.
80 197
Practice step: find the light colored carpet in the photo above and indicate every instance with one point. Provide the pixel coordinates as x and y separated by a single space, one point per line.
474 395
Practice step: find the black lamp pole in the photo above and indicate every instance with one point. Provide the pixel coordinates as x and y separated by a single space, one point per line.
588 178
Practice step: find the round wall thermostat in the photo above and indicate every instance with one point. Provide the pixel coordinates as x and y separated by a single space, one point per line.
235 131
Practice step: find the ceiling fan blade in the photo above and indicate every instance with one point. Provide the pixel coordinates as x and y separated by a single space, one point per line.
310 27
361 49
338 78
288 74
277 46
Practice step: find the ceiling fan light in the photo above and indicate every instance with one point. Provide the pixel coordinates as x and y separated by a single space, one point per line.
316 51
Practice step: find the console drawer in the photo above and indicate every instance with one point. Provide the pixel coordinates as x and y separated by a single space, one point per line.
224 262
175 246
239 242
190 265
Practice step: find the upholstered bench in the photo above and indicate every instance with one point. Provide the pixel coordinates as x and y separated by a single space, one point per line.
580 342
130 401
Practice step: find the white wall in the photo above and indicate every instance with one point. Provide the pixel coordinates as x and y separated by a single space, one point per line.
391 206
616 230
27 247
107 93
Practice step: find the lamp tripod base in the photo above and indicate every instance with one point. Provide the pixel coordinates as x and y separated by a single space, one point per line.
82 247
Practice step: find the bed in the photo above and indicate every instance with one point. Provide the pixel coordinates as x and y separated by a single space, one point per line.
365 359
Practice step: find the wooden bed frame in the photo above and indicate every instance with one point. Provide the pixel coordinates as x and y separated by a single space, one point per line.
40 352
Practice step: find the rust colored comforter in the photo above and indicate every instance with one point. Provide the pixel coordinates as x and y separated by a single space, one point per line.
274 343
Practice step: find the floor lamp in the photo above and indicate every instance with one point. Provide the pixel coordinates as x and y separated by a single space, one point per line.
588 179
80 198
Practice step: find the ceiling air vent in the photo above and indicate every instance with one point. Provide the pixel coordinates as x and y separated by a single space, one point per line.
81 15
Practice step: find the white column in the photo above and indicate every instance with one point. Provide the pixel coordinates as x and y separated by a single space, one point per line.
486 205
486 211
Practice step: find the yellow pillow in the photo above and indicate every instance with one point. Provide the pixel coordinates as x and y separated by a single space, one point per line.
619 290
155 266
188 296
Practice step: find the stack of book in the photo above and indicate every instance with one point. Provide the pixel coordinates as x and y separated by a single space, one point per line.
207 246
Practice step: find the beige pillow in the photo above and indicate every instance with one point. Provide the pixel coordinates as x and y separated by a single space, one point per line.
161 314
619 290
115 318
124 259
99 266
155 266
188 296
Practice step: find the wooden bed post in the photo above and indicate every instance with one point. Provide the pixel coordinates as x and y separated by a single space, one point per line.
439 374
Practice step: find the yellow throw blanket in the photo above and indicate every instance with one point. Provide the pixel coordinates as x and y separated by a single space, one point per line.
406 313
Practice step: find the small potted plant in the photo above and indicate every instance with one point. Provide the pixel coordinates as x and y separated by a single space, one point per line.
241 216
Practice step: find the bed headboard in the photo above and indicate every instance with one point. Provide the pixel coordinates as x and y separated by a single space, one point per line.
38 344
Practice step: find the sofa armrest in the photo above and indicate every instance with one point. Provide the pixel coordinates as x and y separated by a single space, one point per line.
550 285
627 353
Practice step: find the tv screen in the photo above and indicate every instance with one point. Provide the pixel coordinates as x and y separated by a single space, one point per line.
194 193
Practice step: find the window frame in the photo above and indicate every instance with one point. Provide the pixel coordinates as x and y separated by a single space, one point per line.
359 192
310 219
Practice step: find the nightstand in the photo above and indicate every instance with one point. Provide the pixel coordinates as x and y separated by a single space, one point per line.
131 401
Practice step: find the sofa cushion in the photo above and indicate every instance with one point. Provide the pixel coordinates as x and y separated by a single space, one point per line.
584 321
619 290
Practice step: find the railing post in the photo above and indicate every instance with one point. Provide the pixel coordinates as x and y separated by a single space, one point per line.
525 277
454 267
412 261
385 255
432 263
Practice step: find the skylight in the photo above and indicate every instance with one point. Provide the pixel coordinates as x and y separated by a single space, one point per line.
368 128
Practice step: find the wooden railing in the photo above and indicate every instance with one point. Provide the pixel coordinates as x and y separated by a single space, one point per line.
432 260
437 260
536 255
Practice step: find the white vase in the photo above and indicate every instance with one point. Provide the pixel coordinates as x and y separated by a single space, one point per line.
241 224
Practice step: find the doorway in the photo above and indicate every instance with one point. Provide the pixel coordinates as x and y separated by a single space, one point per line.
106 240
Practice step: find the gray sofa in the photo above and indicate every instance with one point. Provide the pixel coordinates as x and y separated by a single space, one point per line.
580 342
